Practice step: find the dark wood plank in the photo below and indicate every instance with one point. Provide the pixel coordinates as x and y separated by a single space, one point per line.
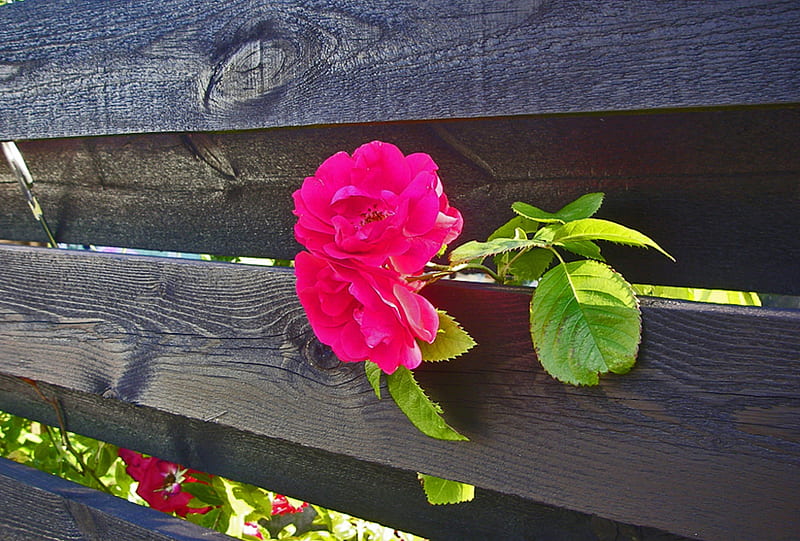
362 488
716 189
37 505
93 68
699 440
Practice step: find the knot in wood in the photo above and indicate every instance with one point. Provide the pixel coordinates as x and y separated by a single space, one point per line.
251 70
319 355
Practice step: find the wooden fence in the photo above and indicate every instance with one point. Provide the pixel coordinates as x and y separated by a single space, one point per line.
179 125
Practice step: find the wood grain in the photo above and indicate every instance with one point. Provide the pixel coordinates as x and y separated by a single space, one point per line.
37 505
92 68
719 190
700 438
336 481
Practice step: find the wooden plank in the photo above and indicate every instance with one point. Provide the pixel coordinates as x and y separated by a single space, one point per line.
92 68
698 440
698 183
37 505
332 480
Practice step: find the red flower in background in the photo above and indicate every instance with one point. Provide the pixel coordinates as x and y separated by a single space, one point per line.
160 483
281 506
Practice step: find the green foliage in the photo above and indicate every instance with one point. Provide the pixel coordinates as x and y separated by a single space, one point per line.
443 491
585 318
583 207
373 372
591 229
716 296
585 321
475 250
450 342
96 464
420 410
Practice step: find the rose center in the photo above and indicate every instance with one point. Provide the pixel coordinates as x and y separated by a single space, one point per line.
373 215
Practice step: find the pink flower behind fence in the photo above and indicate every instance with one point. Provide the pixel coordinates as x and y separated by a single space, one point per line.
281 506
160 483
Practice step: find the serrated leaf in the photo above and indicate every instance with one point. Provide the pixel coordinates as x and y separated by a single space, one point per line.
373 373
529 266
535 213
508 229
583 207
479 250
585 321
585 248
545 235
596 229
450 342
420 410
443 491
511 229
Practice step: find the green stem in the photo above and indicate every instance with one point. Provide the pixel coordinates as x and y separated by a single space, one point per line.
67 444
442 271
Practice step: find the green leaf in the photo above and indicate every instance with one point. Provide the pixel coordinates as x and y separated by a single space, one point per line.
450 342
585 321
583 207
443 491
373 372
585 248
203 492
545 235
595 229
480 250
530 265
207 520
508 229
534 213
420 410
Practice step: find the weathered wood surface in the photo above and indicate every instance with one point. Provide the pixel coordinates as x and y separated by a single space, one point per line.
698 440
390 495
94 67
37 505
719 190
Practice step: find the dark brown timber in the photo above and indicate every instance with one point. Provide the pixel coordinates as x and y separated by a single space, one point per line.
718 190
704 426
99 68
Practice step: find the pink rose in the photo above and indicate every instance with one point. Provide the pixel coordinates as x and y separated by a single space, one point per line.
281 506
160 483
376 207
365 313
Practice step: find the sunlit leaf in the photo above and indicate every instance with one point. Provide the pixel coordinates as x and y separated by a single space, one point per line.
585 248
450 342
420 410
203 492
528 266
508 229
583 207
585 321
443 491
373 372
479 250
595 229
534 213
